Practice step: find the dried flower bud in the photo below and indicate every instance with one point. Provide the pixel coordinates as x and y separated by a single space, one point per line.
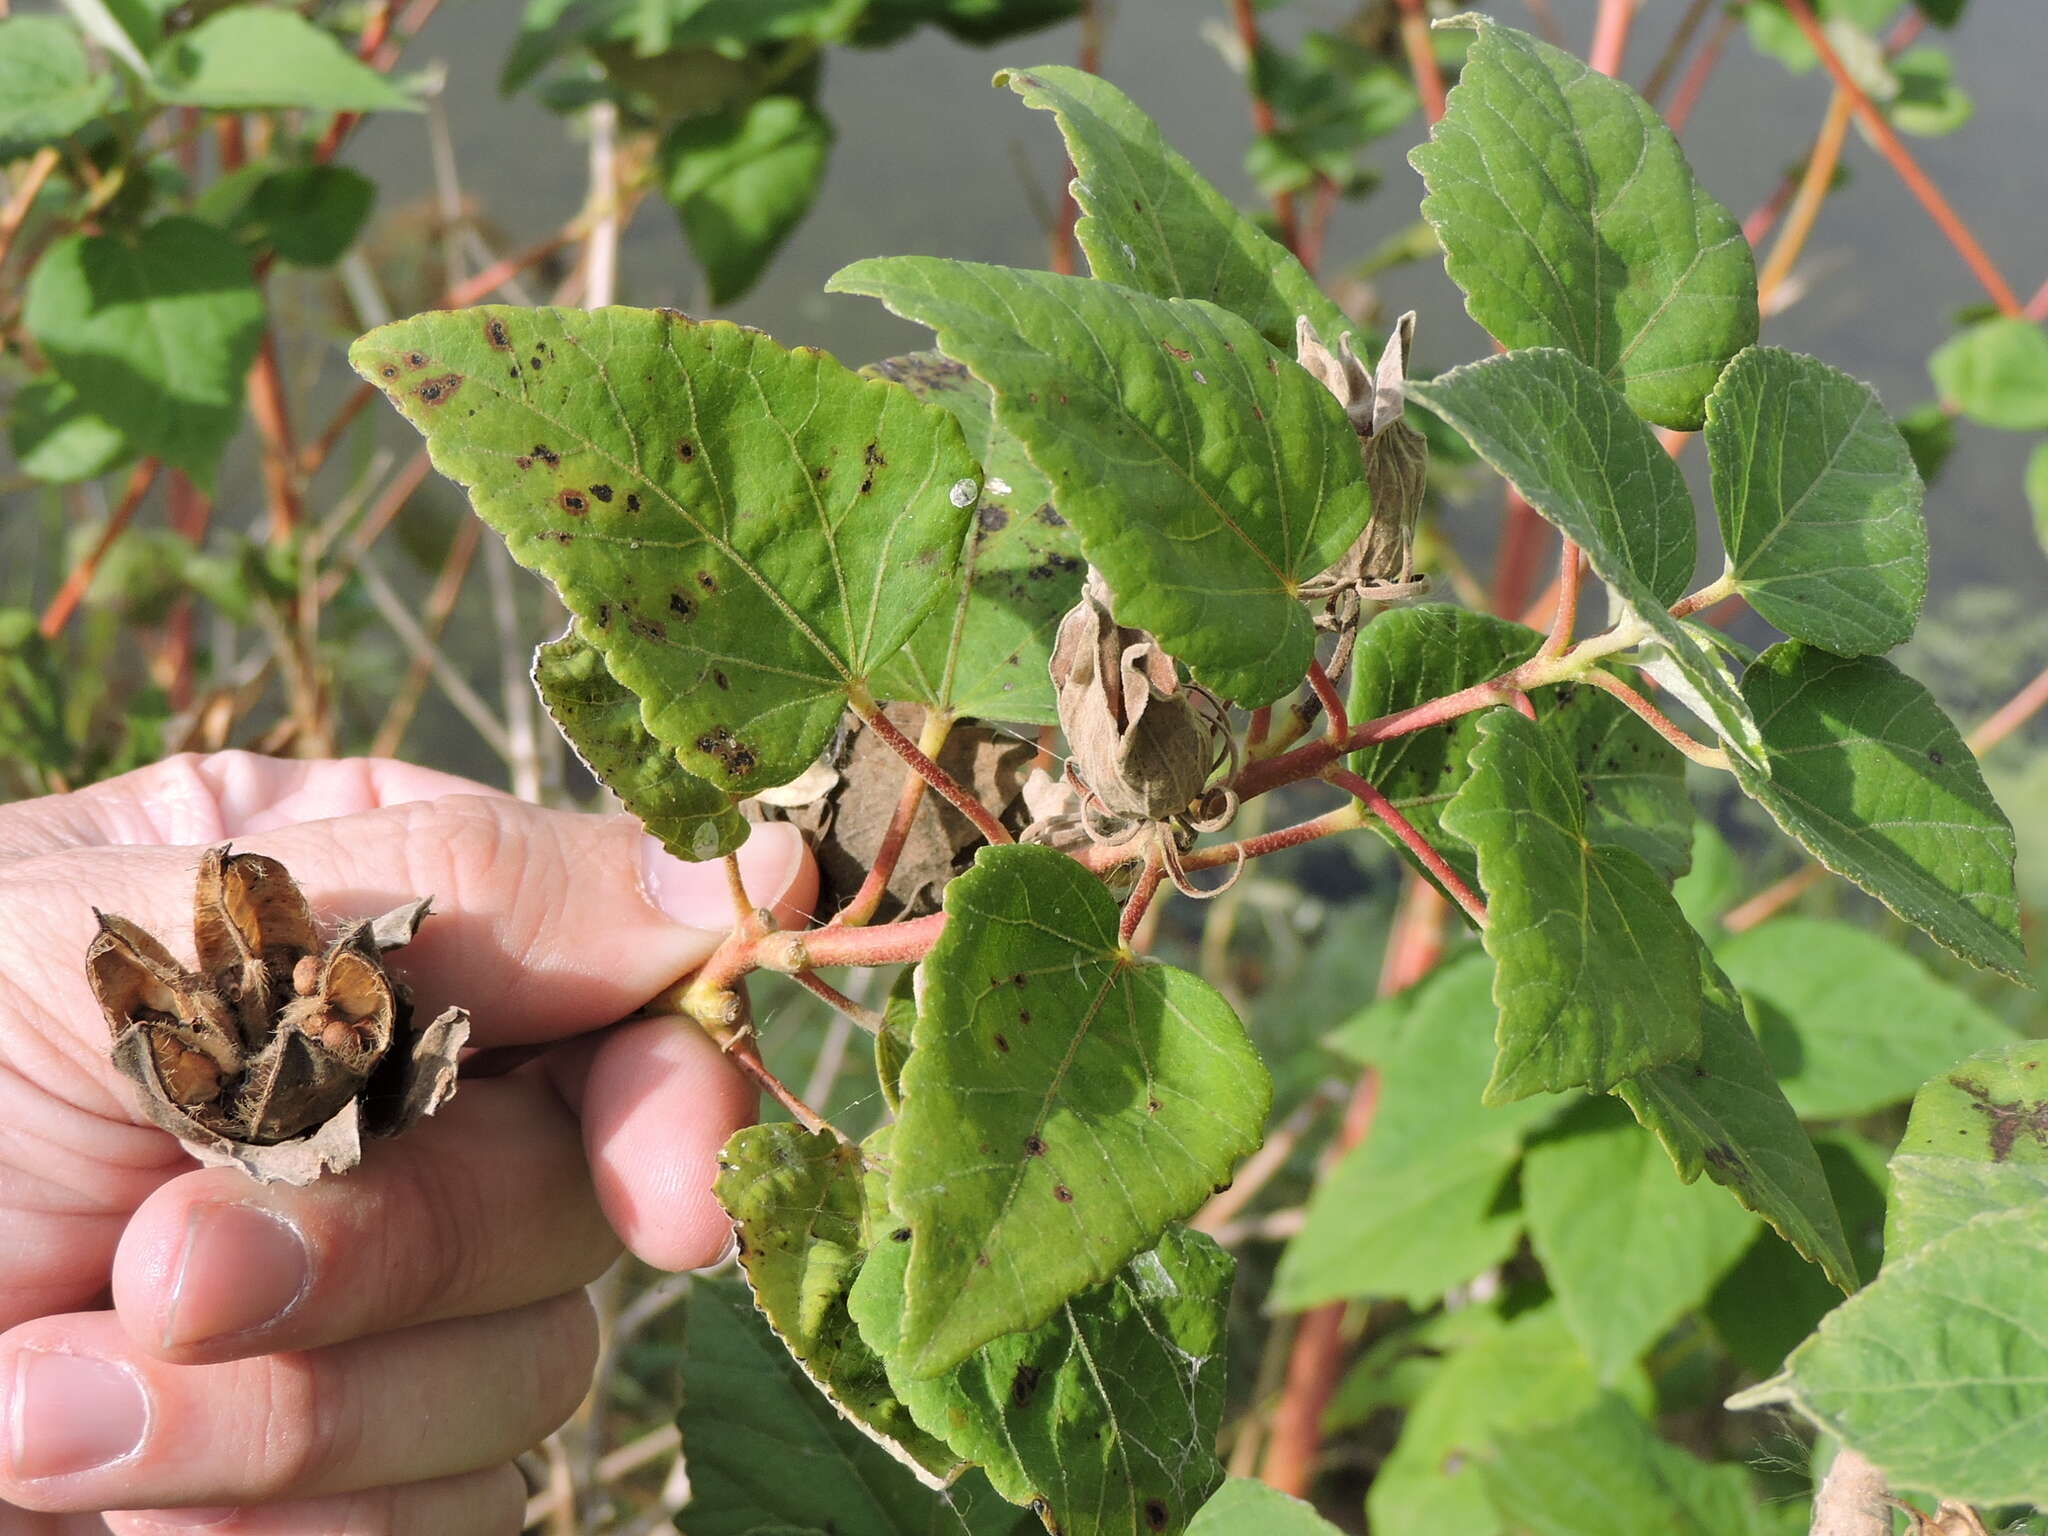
1140 741
281 1051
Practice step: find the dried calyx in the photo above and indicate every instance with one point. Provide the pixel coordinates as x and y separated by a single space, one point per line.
1380 565
1143 745
282 1050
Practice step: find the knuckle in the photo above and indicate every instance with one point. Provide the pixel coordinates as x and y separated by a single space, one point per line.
308 1426
564 1358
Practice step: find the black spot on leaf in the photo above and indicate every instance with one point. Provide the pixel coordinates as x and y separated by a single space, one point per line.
1024 1384
438 390
494 331
546 455
1034 1146
1064 1195
601 492
572 502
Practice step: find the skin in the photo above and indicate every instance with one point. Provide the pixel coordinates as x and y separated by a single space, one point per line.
443 1277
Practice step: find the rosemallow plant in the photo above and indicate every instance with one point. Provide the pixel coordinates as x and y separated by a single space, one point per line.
1166 509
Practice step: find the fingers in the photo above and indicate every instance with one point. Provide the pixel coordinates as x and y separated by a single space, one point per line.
485 1207
489 1503
88 1421
658 1100
548 923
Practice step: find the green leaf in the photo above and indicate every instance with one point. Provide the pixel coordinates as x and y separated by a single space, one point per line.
56 439
1929 103
747 533
1597 975
1573 448
155 330
310 215
741 180
1064 1100
1149 221
765 1449
1850 1022
808 1209
253 57
1530 1373
1819 502
1775 1296
1570 218
1874 781
1937 1371
2037 491
1104 1419
1607 1474
1244 1506
1977 1141
1634 783
1714 881
1439 1159
1124 400
986 653
48 90
1723 1112
1627 1248
123 27
1996 372
601 719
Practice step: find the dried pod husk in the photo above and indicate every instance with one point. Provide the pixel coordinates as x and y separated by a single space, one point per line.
1379 566
1141 742
283 1050
861 780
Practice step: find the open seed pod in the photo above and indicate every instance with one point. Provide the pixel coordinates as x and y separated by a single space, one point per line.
282 1051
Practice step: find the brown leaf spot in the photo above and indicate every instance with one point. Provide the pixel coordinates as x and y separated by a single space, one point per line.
632 502
900 1235
2010 1119
438 390
546 455
572 502
1156 1515
601 492
1034 1146
680 605
686 450
1024 1384
494 332
523 461
646 629
1064 1195
415 359
604 615
1935 757
719 678
1023 1015
992 519
1180 352
1153 1106
1003 1044
707 581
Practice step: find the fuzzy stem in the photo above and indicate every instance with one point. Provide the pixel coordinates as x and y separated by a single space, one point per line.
2011 715
1521 539
875 884
1701 70
1813 191
1657 720
1902 161
1140 899
957 795
819 987
23 198
1681 39
1333 703
1422 64
1610 35
1412 840
1567 616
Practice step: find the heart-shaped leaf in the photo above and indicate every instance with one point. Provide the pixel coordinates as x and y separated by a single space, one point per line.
1244 1506
1150 221
1127 403
747 533
252 57
1596 971
985 653
47 86
1104 1419
1570 444
1064 1100
601 719
1819 502
1722 1112
1875 782
1570 218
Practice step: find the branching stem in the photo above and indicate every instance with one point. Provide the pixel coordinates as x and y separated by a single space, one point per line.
1140 899
1657 720
1332 702
1404 829
957 794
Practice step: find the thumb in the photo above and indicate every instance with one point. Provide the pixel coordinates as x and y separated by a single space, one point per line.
546 923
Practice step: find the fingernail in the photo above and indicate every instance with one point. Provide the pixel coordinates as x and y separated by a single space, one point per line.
73 1413
696 894
242 1268
186 1519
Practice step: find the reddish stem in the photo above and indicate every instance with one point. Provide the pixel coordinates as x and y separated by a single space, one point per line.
1649 713
273 424
1308 762
876 883
380 517
1319 213
1422 64
1088 57
1260 728
1610 35
1333 704
1140 899
190 511
68 597
1773 899
1412 840
1902 161
890 944
26 190
2037 306
1263 121
1566 619
956 794
1681 39
837 1000
1701 70
2011 715
1521 549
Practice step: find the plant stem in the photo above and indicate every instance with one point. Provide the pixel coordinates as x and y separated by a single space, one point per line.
1246 16
1566 618
1694 85
1610 35
1902 161
1422 64
1333 703
23 198
1681 39
1140 899
2037 306
1813 191
876 882
1521 535
2011 715
956 794
1656 719
1418 845
1257 1171
860 1014
1260 728
440 607
273 425
1088 58
68 597
1852 1500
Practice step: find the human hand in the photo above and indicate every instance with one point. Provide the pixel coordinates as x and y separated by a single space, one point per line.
368 1353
